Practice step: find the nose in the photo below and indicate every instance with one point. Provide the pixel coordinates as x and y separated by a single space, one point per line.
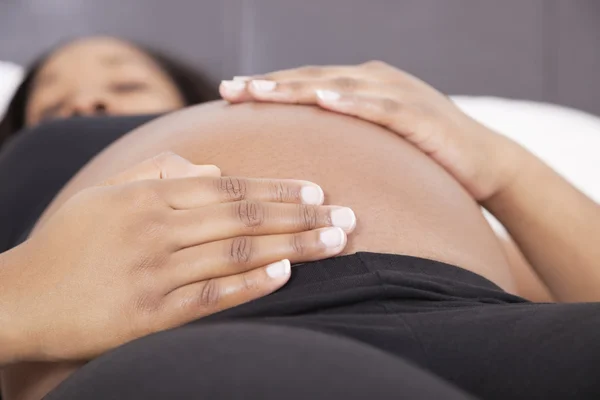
89 104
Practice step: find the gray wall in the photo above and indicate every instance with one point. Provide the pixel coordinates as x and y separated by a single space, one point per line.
535 49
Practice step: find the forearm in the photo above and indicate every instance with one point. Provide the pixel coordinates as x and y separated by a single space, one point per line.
556 227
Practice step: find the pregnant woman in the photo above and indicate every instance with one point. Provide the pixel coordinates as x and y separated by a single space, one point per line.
422 280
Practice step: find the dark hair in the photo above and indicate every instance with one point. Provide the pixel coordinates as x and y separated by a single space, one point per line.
193 87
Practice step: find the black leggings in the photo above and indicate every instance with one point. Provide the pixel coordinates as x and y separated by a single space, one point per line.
251 361
342 327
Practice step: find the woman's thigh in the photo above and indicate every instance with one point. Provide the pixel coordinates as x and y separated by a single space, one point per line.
515 351
254 361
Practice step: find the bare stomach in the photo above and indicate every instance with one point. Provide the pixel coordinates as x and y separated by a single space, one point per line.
404 202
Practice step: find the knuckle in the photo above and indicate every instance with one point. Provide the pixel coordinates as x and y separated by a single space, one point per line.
247 285
308 216
389 106
240 250
375 64
161 163
282 193
142 194
234 189
149 232
311 71
152 226
97 196
146 304
346 84
250 213
296 86
163 157
145 263
298 244
210 294
423 110
148 261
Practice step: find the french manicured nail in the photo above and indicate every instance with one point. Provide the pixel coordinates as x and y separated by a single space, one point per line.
312 194
327 95
233 86
332 237
344 218
263 86
279 269
242 78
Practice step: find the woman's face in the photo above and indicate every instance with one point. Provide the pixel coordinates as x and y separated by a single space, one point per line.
100 76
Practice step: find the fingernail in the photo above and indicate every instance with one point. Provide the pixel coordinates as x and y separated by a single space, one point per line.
263 86
233 86
344 218
312 194
327 95
242 78
279 269
332 237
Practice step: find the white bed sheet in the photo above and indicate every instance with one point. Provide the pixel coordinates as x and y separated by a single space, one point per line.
10 77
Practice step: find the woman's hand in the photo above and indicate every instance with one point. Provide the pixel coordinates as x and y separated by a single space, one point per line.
481 160
141 254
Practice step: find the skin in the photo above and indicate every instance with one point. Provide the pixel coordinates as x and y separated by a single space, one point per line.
104 68
100 76
553 224
382 94
168 248
426 214
405 202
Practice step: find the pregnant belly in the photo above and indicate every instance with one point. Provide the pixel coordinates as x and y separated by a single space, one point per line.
405 203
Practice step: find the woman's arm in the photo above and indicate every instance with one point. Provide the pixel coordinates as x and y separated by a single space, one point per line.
140 254
554 225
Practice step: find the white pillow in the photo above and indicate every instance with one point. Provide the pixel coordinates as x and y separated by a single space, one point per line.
566 139
10 78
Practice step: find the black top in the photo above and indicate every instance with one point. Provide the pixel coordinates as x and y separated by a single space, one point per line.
38 162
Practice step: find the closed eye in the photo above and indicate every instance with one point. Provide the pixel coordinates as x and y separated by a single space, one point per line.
51 111
128 87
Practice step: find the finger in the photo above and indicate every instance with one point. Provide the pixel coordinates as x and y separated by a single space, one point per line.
163 166
239 90
315 72
234 91
386 111
223 221
182 194
305 91
244 253
200 299
369 68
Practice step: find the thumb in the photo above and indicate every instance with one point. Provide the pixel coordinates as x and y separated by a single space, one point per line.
163 166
